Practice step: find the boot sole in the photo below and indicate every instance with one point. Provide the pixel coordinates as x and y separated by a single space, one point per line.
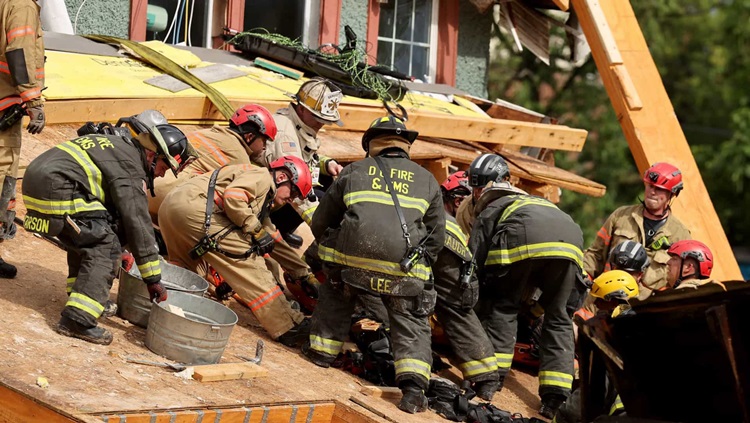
62 330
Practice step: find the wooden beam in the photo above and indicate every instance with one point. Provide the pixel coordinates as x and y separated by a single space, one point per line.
447 46
138 20
562 4
228 371
438 168
16 406
652 131
356 118
330 21
312 413
373 26
382 391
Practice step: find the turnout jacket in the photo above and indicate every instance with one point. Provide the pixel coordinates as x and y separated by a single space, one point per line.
450 261
94 176
294 138
626 223
357 227
21 53
524 227
216 147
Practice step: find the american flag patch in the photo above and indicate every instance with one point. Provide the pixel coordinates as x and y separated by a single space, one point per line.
288 146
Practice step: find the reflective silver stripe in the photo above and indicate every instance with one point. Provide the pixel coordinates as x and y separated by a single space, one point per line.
524 201
150 268
411 365
328 346
419 271
385 198
559 379
61 207
544 249
456 231
477 367
504 361
87 304
92 172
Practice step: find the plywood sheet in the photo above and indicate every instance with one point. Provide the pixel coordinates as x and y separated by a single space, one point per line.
209 74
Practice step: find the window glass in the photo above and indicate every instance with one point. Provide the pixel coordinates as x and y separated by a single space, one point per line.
403 19
401 57
386 20
422 18
404 36
420 63
385 51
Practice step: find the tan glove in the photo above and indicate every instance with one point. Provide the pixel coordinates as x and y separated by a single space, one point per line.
37 122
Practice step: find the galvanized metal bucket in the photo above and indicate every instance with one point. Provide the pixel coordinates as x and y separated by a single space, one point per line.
198 338
133 301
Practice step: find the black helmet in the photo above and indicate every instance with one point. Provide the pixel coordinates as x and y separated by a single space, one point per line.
175 148
629 256
388 125
488 168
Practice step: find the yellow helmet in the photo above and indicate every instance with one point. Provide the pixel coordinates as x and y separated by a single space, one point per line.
615 285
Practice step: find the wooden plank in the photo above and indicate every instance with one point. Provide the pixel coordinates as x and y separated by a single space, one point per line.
18 407
562 4
345 414
502 109
438 168
627 87
278 68
356 118
208 74
382 391
653 132
286 413
228 371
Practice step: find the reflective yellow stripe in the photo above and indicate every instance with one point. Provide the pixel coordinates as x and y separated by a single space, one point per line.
543 249
525 201
149 269
77 205
419 271
550 378
328 346
503 360
411 365
616 406
93 172
456 231
307 215
478 367
71 282
85 303
385 198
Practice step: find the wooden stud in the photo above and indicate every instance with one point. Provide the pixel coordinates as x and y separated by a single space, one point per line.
564 5
438 168
382 391
317 413
628 88
653 131
228 371
16 406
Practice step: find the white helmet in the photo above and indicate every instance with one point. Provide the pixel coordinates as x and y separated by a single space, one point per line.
322 98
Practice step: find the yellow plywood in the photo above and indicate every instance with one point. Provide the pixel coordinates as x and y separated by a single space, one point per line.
648 118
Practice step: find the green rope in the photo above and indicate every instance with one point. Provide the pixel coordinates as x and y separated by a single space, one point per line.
348 61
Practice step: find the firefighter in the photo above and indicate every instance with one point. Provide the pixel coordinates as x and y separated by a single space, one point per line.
690 264
250 129
522 241
366 252
650 223
232 232
457 292
21 84
90 192
316 105
611 292
485 169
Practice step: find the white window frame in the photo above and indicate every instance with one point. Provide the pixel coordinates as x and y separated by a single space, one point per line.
432 45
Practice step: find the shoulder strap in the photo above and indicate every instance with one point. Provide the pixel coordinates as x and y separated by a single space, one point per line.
210 199
404 227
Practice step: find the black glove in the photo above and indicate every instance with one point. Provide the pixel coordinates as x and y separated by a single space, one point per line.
157 292
263 241
36 124
311 285
223 292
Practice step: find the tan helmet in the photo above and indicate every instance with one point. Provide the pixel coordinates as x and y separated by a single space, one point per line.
322 98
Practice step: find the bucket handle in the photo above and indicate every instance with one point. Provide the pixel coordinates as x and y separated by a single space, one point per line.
214 333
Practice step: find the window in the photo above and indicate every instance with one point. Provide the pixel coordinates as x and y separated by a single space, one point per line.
406 34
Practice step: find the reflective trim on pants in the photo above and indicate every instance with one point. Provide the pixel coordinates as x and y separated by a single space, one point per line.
327 346
69 287
478 367
266 298
550 378
503 360
86 304
616 406
410 365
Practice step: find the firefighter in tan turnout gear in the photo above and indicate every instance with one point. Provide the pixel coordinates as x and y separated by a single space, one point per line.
650 224
221 219
366 248
91 193
457 292
316 106
21 84
522 241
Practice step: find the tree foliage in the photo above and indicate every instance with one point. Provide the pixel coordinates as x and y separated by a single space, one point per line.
700 48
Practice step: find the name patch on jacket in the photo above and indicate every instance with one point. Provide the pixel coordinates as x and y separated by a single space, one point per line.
36 224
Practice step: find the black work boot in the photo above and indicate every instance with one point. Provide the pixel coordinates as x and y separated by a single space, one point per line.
486 389
550 404
7 270
110 309
95 335
414 400
316 358
297 335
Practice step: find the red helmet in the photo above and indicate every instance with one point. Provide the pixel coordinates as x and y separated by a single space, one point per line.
664 176
457 185
695 250
301 177
253 118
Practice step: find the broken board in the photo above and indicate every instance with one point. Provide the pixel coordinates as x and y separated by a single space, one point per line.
228 371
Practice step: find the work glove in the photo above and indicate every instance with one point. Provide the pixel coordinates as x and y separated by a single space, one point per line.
127 261
263 241
223 291
37 122
311 285
157 292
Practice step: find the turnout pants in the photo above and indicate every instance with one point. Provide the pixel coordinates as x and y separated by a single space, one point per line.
466 335
93 257
410 330
181 220
10 152
503 294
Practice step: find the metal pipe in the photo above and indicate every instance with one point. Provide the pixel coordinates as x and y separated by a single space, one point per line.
209 24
